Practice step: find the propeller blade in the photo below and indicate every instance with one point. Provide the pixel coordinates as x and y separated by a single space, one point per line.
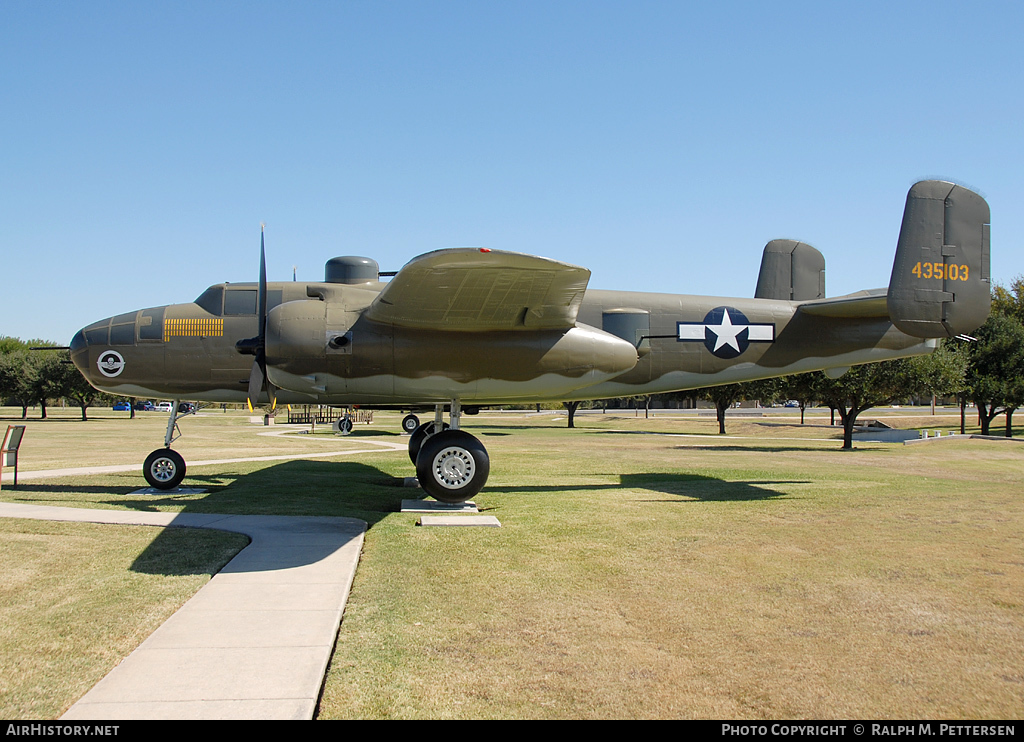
261 308
257 346
256 379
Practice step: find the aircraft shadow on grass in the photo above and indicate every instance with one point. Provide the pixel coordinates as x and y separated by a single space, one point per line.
697 446
291 488
351 489
689 487
755 449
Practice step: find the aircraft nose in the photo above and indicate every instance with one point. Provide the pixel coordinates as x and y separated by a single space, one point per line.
80 352
93 339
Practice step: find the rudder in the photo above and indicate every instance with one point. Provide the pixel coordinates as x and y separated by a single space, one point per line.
940 278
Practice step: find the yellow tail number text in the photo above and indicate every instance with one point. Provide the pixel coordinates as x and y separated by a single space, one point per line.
941 271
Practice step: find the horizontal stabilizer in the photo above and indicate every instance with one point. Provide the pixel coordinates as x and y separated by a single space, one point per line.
940 279
861 305
476 290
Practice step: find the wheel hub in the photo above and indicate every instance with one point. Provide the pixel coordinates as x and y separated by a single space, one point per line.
453 467
163 469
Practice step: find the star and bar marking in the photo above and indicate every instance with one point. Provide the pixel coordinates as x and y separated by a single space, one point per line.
725 332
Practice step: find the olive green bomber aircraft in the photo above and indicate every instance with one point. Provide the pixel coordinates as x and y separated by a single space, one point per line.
458 329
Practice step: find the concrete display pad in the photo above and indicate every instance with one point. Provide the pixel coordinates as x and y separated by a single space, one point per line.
485 521
175 491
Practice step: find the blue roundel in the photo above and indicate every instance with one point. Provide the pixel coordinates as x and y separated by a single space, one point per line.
726 332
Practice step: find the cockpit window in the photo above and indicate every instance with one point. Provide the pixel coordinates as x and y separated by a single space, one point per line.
151 324
211 299
122 334
240 301
218 301
98 333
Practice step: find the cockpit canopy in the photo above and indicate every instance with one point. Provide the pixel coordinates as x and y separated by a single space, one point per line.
236 299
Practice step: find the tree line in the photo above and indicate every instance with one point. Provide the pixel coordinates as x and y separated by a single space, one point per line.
36 377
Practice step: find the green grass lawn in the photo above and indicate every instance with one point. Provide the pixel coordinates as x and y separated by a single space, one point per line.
645 568
77 598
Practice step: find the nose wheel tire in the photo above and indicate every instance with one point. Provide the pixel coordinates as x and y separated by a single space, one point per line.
410 423
419 435
452 466
164 469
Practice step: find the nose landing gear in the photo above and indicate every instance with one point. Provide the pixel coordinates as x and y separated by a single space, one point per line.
164 469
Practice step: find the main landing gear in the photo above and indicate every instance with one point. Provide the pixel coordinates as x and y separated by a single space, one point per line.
451 464
164 469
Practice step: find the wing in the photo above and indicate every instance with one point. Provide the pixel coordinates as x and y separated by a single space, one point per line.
475 289
861 305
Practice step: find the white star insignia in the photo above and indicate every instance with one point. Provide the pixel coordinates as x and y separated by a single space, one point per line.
727 332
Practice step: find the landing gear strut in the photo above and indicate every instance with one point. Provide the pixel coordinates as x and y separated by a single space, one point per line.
164 469
451 464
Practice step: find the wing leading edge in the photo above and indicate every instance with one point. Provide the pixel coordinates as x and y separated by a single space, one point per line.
477 290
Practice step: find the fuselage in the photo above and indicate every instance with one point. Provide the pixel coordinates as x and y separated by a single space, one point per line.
321 349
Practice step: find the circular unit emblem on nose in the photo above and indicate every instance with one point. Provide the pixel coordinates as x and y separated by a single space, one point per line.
110 363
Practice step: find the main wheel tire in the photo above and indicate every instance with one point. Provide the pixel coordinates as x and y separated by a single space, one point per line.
345 425
421 433
452 466
410 423
164 469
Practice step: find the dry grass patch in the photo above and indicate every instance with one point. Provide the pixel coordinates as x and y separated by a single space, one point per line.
76 598
637 577
647 568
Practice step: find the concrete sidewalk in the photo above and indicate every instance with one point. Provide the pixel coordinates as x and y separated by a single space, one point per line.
254 643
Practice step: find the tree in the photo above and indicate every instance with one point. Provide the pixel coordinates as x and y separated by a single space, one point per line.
942 372
37 376
10 375
572 407
67 381
803 388
17 372
44 378
726 395
765 391
1009 302
996 373
874 384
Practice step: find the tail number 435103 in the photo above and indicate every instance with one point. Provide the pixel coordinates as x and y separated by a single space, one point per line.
941 271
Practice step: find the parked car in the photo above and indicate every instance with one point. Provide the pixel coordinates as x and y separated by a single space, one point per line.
164 407
122 407
186 407
147 406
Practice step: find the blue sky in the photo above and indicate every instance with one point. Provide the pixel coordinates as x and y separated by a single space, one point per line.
660 144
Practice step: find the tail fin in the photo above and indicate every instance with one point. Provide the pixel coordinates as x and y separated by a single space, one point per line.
940 278
791 270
